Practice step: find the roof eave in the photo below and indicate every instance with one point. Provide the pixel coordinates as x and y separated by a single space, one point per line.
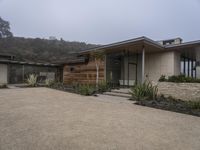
144 40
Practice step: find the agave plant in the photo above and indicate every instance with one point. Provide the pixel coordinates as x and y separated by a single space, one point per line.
49 82
144 91
32 80
86 89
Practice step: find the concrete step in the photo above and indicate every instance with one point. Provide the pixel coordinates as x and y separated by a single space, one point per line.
118 94
123 91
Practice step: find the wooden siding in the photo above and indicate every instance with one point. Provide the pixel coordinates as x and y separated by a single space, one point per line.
82 73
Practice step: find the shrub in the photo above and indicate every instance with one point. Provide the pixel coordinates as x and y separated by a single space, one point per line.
58 85
85 89
144 91
194 104
179 79
162 78
49 82
103 87
32 80
2 86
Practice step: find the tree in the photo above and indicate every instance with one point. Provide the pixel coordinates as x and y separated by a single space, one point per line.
98 58
5 29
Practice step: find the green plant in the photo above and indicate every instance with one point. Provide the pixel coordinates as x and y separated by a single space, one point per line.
58 85
144 91
194 104
162 78
49 82
2 86
103 87
85 89
179 79
32 80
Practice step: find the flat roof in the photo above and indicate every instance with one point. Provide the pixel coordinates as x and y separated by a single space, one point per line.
185 44
144 40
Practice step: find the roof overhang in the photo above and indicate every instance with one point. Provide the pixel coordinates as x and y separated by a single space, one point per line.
187 49
191 44
137 44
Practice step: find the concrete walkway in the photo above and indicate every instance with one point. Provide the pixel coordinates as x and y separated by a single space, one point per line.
46 119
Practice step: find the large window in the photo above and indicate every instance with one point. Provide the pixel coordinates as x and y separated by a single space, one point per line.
188 67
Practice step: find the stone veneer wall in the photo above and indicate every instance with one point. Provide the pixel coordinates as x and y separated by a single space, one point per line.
183 91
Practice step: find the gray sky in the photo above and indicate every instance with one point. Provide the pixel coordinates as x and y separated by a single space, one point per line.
103 21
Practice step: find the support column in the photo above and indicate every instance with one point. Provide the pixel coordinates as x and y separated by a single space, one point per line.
192 66
128 68
195 64
124 68
184 70
188 67
143 64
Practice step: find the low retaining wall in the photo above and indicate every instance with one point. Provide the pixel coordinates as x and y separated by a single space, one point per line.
183 91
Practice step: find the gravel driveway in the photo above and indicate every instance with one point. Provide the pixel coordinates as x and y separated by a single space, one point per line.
46 119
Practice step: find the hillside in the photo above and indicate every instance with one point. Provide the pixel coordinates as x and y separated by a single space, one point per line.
41 50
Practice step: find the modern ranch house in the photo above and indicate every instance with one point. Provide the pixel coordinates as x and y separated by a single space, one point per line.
134 61
124 63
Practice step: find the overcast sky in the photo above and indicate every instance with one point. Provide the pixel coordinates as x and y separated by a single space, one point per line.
103 21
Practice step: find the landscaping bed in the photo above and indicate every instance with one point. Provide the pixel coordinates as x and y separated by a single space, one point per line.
146 94
82 89
192 108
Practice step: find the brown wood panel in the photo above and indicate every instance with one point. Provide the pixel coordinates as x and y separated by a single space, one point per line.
82 73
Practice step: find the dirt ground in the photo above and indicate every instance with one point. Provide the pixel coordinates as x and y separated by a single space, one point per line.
46 119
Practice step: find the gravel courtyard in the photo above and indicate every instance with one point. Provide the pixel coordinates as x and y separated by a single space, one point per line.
46 119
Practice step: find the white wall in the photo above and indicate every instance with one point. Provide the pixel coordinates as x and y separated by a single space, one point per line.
177 63
163 63
156 64
3 73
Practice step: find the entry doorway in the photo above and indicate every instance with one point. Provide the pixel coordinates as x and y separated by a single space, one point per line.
132 74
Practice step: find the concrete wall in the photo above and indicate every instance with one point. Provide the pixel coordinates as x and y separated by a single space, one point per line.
183 91
165 63
3 74
156 64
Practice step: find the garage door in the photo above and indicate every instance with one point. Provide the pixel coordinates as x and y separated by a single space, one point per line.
3 73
